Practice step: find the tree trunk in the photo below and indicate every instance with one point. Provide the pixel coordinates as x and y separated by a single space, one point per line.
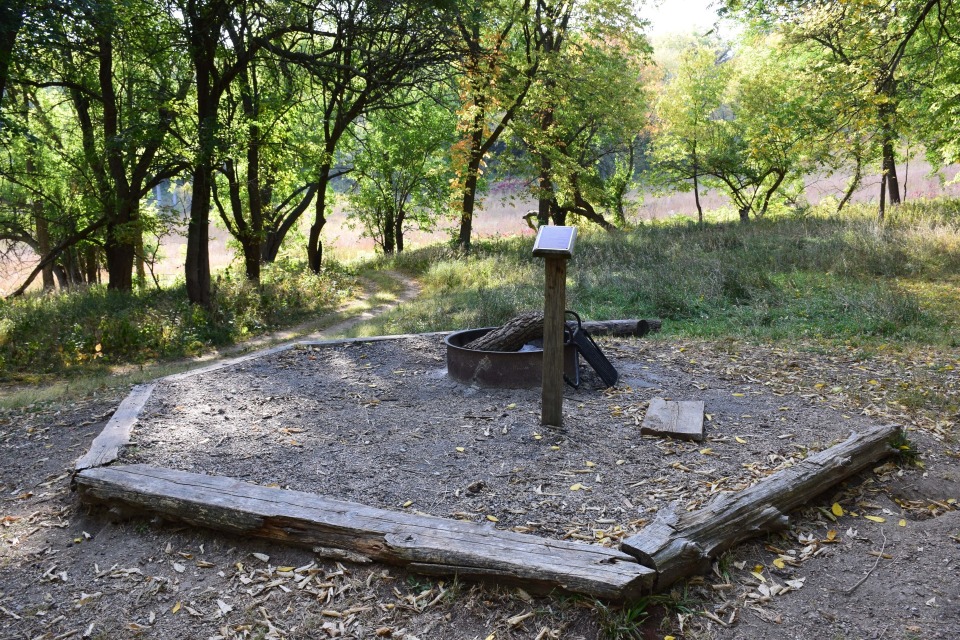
696 188
141 261
274 236
890 172
92 265
120 251
43 242
314 244
854 184
197 264
883 198
11 20
398 233
470 185
389 229
744 214
42 225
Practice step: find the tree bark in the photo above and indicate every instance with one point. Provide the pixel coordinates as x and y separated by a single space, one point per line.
314 244
468 202
11 20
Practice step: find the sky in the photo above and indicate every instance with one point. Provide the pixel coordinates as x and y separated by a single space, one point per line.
678 16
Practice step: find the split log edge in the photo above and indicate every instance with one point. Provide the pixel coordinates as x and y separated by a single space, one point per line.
423 543
681 545
526 327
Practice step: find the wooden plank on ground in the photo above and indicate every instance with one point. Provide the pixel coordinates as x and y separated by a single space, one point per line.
678 545
116 433
682 420
436 545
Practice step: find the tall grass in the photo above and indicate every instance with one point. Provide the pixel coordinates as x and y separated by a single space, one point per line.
88 329
818 275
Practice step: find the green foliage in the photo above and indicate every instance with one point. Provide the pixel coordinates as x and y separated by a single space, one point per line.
402 172
94 327
821 277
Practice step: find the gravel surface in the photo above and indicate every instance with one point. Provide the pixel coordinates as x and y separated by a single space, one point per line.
381 424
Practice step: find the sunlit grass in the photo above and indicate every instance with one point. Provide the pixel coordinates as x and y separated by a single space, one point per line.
818 276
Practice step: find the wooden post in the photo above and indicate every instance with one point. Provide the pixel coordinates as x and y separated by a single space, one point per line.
555 244
554 304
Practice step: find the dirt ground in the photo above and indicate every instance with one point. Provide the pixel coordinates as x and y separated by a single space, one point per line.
380 423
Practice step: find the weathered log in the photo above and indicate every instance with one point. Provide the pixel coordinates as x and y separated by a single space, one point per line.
681 419
435 545
511 336
680 545
527 327
116 433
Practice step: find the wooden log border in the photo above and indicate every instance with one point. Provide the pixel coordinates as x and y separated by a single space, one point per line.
424 544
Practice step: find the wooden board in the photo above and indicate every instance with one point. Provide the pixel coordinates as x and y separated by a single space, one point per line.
682 544
437 545
116 433
682 420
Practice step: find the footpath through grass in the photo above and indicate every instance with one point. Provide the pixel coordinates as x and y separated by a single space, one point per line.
88 331
824 277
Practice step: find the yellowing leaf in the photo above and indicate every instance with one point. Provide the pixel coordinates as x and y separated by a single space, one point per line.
620 462
537 436
740 440
708 451
590 464
286 569
779 564
669 638
555 448
875 518
460 449
738 395
512 405
490 637
176 608
836 509
576 487
831 535
493 518
902 523
407 503
873 382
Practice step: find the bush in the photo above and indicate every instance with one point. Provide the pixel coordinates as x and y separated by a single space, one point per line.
93 327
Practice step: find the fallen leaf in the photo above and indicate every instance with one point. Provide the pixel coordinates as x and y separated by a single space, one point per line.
779 564
836 509
176 608
460 449
493 518
179 568
875 518
740 440
902 522
738 395
262 557
407 503
576 487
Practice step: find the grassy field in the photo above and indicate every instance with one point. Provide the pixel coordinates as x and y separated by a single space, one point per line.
817 276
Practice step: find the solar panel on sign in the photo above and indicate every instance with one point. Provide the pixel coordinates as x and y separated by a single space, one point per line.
555 241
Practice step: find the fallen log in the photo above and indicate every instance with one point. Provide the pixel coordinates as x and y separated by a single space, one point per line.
527 327
681 545
423 543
